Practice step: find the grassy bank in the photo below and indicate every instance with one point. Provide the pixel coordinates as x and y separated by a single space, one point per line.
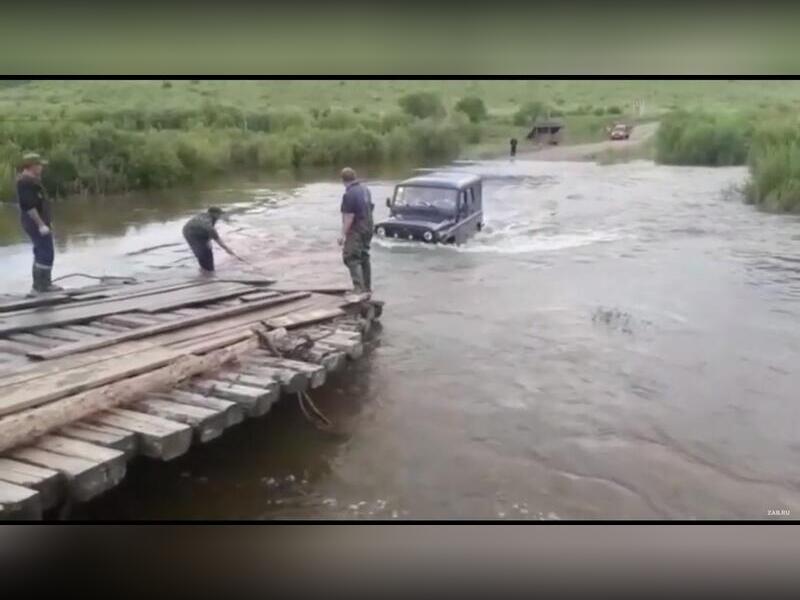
768 142
110 136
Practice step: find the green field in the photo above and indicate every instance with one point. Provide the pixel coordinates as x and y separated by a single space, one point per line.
111 136
501 97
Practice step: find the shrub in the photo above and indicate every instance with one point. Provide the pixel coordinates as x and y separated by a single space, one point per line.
473 107
528 113
701 139
614 110
423 105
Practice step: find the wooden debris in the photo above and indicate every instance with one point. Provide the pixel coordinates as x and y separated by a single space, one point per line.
85 478
157 437
21 427
164 327
315 373
291 381
234 413
102 435
44 389
255 400
19 503
47 482
207 424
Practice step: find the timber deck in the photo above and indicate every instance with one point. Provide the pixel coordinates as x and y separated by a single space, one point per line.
92 377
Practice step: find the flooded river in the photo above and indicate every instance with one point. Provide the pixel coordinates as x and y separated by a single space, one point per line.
619 342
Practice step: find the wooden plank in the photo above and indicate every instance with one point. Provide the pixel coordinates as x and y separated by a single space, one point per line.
331 359
59 385
206 423
161 317
113 462
157 437
49 483
211 293
255 401
42 300
62 335
128 320
190 312
234 414
261 383
27 425
19 503
102 435
255 296
85 478
212 343
32 340
17 348
91 330
166 327
143 289
304 318
316 374
292 382
353 348
70 314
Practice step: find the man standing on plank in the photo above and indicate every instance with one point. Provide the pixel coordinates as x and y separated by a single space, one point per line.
35 216
356 231
199 231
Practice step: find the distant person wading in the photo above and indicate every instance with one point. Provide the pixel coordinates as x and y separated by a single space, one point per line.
513 147
356 236
36 220
199 232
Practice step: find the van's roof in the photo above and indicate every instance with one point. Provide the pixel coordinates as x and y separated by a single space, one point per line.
444 179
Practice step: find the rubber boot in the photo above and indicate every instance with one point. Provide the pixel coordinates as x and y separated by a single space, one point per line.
47 281
39 284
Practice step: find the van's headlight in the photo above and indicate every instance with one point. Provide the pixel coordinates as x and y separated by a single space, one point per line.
381 232
428 236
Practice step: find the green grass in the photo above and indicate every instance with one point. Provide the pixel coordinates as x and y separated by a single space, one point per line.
104 136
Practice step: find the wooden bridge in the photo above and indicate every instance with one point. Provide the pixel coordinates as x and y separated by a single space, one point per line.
92 377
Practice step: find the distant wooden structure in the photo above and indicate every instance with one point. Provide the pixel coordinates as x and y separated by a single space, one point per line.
92 377
547 131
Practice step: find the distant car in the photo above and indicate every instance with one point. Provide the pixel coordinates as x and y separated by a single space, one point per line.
440 207
620 131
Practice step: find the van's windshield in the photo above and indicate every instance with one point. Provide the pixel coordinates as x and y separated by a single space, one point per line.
441 199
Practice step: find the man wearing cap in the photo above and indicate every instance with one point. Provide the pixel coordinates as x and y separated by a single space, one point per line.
35 217
356 236
199 231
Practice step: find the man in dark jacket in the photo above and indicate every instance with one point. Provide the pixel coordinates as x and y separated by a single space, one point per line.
356 235
199 231
36 220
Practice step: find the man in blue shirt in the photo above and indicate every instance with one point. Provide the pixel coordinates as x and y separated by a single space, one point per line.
35 217
356 231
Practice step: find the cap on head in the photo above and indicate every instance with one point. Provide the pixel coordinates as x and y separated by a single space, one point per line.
348 175
215 212
30 159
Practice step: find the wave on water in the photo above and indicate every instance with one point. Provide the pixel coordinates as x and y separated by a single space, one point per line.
507 241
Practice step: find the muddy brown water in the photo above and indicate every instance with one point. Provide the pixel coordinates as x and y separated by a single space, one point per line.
619 342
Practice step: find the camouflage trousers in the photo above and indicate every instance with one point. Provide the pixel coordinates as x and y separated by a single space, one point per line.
355 255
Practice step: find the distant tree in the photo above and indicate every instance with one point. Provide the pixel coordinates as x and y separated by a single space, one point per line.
528 113
422 105
473 107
